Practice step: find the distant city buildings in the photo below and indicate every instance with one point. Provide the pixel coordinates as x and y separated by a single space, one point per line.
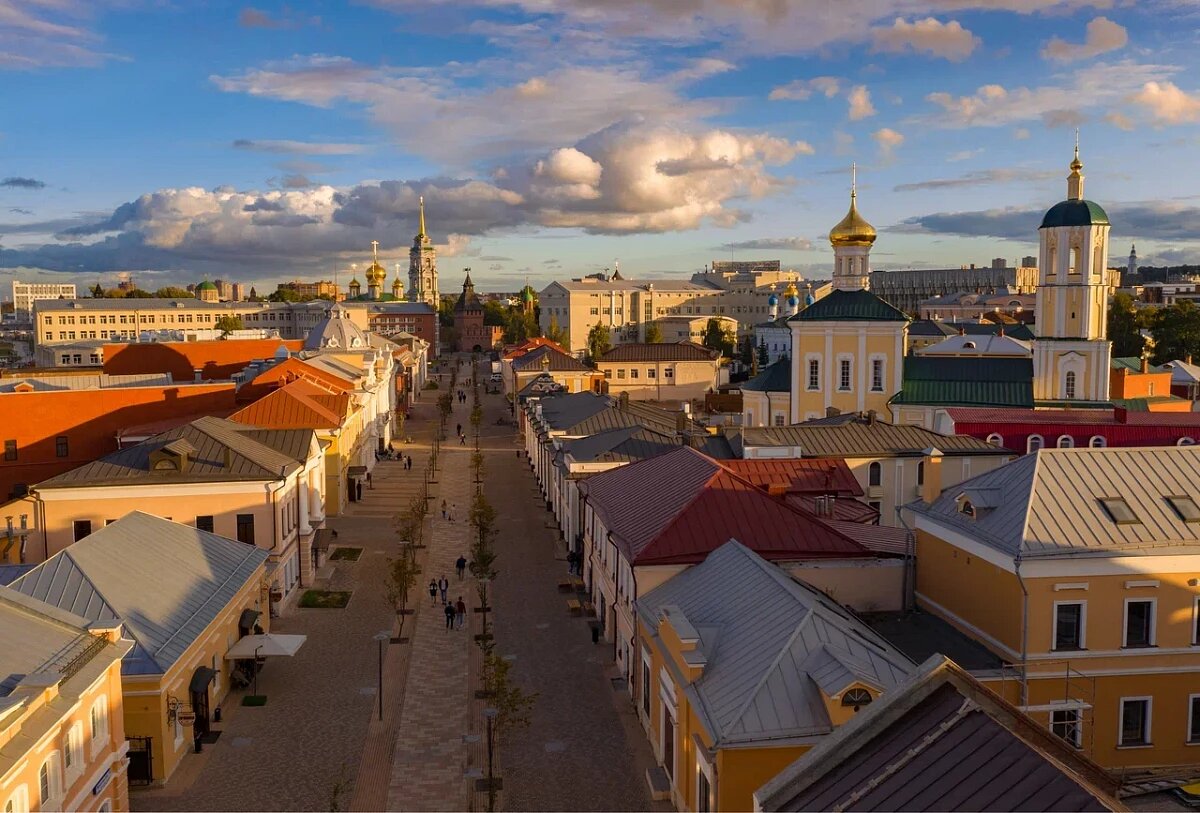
24 294
325 289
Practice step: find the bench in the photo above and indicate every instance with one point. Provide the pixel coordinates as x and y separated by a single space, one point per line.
575 583
573 606
566 586
588 608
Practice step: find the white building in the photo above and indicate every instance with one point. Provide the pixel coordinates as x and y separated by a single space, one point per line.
26 293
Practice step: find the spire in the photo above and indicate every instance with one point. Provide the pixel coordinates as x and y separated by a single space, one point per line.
1075 179
421 222
853 180
853 230
375 251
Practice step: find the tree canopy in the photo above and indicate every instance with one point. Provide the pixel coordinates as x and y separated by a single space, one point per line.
599 341
653 333
1176 330
716 337
1123 327
228 324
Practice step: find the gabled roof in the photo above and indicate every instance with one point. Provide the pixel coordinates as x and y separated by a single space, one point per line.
224 451
1183 372
776 377
299 404
850 306
623 445
855 435
165 581
1133 364
798 475
940 741
560 412
558 361
767 639
698 505
956 381
517 350
931 327
98 381
660 351
986 345
541 384
292 368
1048 504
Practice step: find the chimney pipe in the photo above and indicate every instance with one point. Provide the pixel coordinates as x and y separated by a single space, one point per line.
1145 363
931 486
831 412
872 417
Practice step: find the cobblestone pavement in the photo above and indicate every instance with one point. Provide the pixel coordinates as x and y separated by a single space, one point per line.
431 758
304 746
584 749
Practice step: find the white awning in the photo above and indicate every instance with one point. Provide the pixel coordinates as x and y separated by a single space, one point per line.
265 646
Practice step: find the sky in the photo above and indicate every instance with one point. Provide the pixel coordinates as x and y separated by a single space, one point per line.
181 140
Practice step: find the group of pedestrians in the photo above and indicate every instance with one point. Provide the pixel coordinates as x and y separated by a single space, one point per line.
455 611
448 513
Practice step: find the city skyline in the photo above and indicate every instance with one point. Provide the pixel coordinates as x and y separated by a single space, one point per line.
553 138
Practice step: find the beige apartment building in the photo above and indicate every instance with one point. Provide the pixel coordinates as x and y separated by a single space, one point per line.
662 372
739 291
74 320
24 294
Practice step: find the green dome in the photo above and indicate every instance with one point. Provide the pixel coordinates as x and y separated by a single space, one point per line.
1075 213
206 286
527 294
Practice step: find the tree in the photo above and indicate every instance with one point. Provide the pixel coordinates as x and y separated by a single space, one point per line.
98 291
763 357
287 295
748 351
401 578
494 313
716 337
558 334
228 324
513 704
1123 327
172 292
599 341
1176 330
138 293
653 333
446 312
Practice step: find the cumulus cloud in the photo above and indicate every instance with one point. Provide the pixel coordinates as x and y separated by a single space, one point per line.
928 36
18 182
1155 220
771 244
801 89
859 99
888 140
1168 104
1102 35
286 147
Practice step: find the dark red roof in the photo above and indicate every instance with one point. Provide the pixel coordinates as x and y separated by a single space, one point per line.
1117 427
799 475
1094 417
660 351
678 507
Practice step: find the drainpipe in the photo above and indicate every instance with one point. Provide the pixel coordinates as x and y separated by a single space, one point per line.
909 587
1024 634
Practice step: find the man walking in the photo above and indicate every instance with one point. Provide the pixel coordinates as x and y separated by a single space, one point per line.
443 586
461 566
460 613
443 509
449 611
432 592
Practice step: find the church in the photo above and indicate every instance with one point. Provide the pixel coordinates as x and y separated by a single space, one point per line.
850 348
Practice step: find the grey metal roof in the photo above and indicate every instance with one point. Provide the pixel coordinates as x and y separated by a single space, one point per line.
155 304
566 410
35 637
47 383
1048 503
165 581
940 741
558 361
336 332
623 445
857 436
224 450
767 638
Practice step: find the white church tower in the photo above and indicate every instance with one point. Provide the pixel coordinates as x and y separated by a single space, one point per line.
422 265
852 239
1071 353
1131 269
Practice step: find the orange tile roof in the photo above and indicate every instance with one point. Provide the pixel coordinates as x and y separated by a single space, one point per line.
214 359
300 404
514 351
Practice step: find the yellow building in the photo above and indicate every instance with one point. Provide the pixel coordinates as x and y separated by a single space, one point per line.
848 347
62 737
184 597
1079 568
662 372
742 670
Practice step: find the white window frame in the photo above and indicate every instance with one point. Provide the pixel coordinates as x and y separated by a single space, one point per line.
54 781
996 439
73 752
1193 736
19 799
1153 623
1093 444
1029 443
98 719
1065 442
1070 384
668 708
704 768
881 361
847 363
1082 625
810 360
1149 743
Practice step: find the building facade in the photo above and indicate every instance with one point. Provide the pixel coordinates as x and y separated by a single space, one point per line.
472 334
422 265
324 288
26 293
662 372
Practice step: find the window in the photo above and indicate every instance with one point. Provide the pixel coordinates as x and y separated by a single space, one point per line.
1194 718
1069 385
843 375
651 373
1065 442
876 375
81 528
967 509
995 440
1185 442
1065 723
645 683
1097 442
1119 511
875 474
633 372
1073 268
921 473
1034 443
204 523
621 374
669 372
73 755
703 791
10 450
1139 622
60 446
778 420
814 374
1185 508
856 698
49 781
19 801
1068 625
1135 721
99 720
245 528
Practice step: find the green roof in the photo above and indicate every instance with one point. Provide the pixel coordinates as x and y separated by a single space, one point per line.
1134 364
1075 213
206 286
775 377
953 381
1144 404
851 306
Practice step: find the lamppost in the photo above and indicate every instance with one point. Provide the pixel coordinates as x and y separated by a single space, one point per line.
490 715
257 663
381 637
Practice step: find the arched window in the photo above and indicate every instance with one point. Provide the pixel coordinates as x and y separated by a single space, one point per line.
19 801
1097 442
49 781
875 474
1185 441
856 698
1065 442
967 509
995 440
1069 384
1034 443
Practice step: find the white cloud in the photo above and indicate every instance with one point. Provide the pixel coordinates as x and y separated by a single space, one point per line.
287 147
1168 104
1119 120
888 140
1102 35
49 33
929 36
859 100
771 244
801 89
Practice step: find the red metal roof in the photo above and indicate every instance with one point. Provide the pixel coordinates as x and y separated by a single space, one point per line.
1116 427
695 505
1057 417
845 509
799 475
300 404
214 359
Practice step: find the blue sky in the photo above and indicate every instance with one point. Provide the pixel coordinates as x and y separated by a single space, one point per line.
182 140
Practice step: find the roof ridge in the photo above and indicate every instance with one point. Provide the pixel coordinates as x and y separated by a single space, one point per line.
68 554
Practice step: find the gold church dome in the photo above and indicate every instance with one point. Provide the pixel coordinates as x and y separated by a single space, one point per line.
376 273
854 230
791 290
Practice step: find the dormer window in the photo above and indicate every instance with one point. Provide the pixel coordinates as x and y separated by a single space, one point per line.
968 345
166 464
856 698
966 508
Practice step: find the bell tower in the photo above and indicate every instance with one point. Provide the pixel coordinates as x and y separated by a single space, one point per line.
852 239
422 264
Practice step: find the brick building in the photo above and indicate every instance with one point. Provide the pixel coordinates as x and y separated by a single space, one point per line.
473 334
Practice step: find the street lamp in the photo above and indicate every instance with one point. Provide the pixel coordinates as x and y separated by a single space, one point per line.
381 637
490 715
257 663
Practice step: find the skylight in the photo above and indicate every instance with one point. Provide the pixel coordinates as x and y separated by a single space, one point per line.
1185 508
1119 511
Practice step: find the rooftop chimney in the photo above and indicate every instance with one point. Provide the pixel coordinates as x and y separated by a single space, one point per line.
872 417
1145 363
831 412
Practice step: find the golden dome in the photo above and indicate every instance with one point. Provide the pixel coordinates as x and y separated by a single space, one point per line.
376 274
854 230
791 290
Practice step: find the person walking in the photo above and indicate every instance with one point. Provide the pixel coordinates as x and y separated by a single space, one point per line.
461 567
443 586
460 613
449 611
432 592
443 509
453 508
460 428
462 440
